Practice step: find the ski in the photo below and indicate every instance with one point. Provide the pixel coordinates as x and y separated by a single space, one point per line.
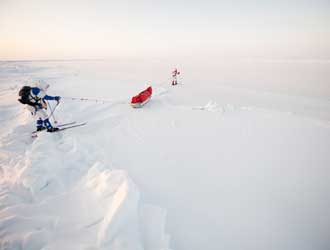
72 126
58 126
61 128
66 124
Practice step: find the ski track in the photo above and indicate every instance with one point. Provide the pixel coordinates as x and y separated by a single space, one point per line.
73 190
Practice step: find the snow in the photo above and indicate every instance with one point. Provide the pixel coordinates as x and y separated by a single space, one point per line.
207 164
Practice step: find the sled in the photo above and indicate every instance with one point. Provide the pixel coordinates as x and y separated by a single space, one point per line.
142 98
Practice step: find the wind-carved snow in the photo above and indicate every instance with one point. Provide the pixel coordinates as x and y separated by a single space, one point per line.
210 106
54 194
201 166
102 211
213 106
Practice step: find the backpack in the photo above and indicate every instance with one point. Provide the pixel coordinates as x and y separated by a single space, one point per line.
25 94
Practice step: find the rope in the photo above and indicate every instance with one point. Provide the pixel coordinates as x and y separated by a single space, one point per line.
86 99
98 101
166 84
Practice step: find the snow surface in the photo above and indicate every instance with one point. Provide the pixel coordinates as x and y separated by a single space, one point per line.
206 164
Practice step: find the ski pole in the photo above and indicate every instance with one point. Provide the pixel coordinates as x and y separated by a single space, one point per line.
52 110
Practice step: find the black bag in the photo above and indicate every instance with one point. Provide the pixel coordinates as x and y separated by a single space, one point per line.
26 98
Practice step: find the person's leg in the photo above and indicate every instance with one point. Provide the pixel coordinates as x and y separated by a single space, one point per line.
40 123
173 80
44 118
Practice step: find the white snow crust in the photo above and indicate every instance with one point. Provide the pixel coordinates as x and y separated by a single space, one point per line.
207 164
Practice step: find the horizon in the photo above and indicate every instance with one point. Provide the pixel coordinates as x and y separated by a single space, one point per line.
75 30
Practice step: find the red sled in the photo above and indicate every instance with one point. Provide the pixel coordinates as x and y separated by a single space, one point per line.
139 100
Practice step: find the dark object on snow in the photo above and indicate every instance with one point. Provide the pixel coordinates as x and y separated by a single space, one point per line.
26 97
52 129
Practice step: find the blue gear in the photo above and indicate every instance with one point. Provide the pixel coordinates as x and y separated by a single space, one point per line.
47 123
40 124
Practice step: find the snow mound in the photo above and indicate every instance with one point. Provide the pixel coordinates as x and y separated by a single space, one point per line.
210 106
243 170
101 212
55 192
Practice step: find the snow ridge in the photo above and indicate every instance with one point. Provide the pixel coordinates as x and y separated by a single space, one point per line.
55 194
218 168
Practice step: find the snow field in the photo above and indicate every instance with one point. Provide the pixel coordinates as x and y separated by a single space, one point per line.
223 167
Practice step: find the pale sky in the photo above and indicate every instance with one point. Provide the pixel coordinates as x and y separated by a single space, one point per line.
74 29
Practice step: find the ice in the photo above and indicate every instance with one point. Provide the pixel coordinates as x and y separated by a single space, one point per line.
212 163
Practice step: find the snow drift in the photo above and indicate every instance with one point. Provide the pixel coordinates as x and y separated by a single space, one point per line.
56 194
214 166
102 211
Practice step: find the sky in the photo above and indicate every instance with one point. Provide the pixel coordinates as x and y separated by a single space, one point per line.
96 29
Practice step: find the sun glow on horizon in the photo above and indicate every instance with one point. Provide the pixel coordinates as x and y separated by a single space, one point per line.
96 29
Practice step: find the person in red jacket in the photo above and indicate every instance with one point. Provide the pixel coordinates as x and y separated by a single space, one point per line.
175 73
